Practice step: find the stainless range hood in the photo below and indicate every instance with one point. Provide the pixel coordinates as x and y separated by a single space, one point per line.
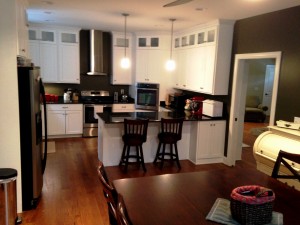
100 47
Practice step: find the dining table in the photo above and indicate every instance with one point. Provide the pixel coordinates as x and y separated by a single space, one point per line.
187 198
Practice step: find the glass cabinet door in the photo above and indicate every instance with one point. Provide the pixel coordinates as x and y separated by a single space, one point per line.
201 38
142 42
154 42
68 37
122 42
211 35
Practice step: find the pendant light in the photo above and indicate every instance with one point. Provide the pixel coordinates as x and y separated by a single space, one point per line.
125 62
170 65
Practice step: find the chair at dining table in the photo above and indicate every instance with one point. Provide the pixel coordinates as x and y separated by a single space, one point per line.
135 134
282 158
110 194
171 132
122 214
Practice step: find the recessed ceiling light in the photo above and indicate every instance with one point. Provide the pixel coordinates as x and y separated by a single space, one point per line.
47 2
201 9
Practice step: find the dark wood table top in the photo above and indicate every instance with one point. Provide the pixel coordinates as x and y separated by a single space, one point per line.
187 198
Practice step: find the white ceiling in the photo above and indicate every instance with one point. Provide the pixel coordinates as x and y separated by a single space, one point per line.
146 14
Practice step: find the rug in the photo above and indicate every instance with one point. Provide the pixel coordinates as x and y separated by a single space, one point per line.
258 130
220 213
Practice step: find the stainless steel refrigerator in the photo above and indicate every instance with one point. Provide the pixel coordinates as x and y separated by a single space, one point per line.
33 149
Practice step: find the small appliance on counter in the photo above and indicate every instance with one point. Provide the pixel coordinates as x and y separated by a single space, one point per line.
196 104
124 97
212 108
177 101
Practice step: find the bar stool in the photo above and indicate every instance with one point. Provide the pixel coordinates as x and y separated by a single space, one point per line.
171 130
135 134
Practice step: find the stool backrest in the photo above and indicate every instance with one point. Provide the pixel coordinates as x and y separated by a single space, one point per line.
136 127
172 126
109 191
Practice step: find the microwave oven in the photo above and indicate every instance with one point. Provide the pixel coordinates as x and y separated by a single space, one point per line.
147 96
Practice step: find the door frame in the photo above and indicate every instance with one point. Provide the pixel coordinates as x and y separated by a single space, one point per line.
238 100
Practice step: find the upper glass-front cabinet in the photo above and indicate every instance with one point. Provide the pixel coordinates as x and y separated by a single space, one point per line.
207 36
42 35
121 42
69 37
151 42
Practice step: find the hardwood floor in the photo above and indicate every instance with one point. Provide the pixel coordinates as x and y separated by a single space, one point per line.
72 193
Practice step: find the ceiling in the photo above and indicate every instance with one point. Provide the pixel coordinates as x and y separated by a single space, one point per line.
146 15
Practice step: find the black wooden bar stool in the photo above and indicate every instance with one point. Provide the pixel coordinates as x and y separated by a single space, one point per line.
171 130
135 134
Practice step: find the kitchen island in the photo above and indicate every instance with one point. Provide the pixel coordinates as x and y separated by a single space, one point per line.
203 138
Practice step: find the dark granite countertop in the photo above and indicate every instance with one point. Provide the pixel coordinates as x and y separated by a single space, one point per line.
109 117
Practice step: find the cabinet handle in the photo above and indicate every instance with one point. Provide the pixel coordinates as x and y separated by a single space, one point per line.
65 107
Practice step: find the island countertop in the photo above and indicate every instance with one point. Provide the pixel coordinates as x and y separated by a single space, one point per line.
111 117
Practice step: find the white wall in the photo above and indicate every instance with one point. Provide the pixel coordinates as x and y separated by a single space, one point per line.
9 111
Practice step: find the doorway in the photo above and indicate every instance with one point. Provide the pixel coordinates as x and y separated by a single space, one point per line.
238 100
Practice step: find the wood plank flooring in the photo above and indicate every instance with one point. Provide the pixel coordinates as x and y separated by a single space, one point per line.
72 193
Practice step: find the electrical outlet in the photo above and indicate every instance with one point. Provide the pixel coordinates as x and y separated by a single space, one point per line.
296 119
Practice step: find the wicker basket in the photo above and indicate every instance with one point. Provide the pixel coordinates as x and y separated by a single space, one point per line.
252 205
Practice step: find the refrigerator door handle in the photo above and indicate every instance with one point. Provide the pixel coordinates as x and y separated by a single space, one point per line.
42 92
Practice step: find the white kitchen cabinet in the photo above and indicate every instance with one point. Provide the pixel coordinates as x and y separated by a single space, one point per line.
64 119
208 61
68 55
120 75
123 108
22 28
180 58
150 65
43 52
207 141
56 51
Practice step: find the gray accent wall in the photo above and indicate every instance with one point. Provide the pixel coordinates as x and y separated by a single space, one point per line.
276 31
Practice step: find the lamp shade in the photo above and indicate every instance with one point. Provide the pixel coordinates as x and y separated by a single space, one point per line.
125 63
170 65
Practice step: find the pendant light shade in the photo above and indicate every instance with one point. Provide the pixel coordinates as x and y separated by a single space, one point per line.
125 62
171 65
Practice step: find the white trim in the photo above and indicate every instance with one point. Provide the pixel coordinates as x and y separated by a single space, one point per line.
236 119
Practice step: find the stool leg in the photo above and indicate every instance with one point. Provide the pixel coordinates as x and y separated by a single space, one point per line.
163 156
157 152
123 155
127 157
138 157
142 158
177 158
171 152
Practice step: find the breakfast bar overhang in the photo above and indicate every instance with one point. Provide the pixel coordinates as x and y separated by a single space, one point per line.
110 131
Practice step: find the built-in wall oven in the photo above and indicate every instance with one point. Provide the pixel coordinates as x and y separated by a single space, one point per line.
94 102
147 96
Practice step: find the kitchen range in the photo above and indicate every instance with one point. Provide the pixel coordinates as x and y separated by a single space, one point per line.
94 101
